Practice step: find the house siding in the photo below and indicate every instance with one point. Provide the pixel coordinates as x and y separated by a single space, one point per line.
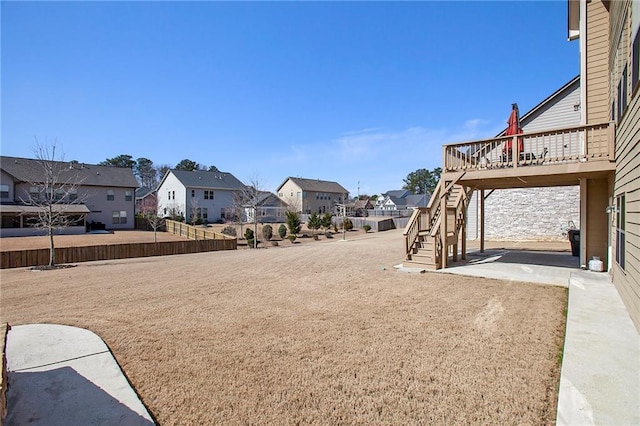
627 178
290 192
561 113
597 79
176 203
222 199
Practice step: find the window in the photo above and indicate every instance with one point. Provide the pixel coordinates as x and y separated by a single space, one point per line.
34 193
208 194
127 195
193 193
4 191
620 229
58 194
622 93
173 194
202 213
110 195
73 194
119 217
635 63
635 48
299 195
168 195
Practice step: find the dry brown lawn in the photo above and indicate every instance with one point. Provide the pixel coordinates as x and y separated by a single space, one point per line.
321 332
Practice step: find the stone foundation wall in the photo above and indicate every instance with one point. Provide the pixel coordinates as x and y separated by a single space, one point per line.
532 214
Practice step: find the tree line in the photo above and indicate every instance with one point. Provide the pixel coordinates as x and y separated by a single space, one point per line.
148 173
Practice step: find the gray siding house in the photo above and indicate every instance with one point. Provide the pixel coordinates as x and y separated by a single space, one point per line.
93 194
211 196
534 214
312 195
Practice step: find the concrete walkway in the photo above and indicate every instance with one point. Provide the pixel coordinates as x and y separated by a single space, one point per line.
600 377
61 375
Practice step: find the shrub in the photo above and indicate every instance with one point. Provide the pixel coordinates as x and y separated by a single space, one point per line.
250 242
314 222
325 222
229 230
267 232
292 237
248 234
366 227
293 223
282 230
348 225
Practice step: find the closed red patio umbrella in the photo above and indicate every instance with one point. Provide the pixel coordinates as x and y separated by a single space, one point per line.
513 128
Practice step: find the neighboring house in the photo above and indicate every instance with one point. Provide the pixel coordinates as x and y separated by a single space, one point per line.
312 195
514 214
401 200
145 200
94 194
211 196
360 207
270 208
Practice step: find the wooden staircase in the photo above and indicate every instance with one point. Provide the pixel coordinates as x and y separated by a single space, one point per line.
424 244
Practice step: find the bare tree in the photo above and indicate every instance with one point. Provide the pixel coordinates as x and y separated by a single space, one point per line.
294 203
149 211
248 200
54 192
194 210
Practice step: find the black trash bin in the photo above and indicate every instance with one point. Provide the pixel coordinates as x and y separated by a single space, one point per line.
574 239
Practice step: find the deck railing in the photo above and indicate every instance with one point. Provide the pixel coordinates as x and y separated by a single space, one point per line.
568 145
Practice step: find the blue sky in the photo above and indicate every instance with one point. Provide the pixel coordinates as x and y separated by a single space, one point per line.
346 91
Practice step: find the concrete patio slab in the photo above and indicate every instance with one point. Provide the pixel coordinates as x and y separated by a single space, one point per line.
541 267
61 375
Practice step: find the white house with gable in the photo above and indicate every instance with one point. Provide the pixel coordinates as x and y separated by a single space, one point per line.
208 195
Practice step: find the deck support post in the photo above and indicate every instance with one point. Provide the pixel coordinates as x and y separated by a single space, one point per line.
482 221
443 226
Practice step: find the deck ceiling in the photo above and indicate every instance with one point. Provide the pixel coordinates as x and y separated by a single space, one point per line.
535 176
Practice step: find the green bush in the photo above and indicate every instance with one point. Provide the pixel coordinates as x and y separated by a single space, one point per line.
267 232
250 242
314 222
348 225
325 222
366 227
292 237
248 235
293 223
230 230
282 230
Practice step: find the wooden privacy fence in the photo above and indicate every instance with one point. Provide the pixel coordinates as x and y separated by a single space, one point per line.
24 258
194 232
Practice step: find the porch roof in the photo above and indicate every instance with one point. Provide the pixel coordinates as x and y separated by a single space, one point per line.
58 208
